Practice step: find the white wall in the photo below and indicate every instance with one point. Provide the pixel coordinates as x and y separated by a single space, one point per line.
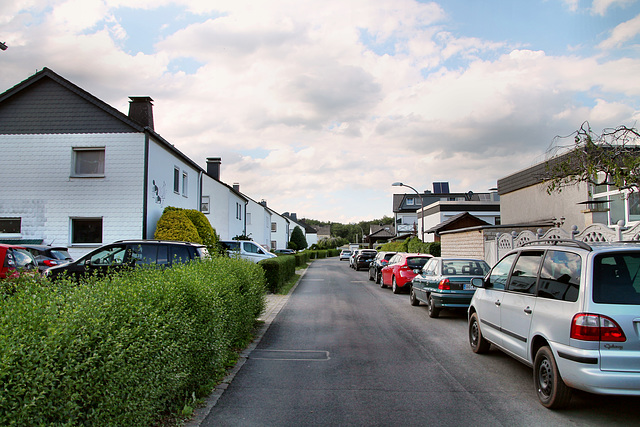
219 213
259 225
161 168
282 234
35 172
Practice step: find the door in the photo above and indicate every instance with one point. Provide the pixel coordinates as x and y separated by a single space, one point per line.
518 303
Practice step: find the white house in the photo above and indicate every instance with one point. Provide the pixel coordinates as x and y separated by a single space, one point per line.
78 172
280 231
224 206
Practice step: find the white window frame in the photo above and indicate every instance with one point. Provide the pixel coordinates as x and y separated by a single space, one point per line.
185 183
274 227
176 179
76 154
205 204
72 237
13 219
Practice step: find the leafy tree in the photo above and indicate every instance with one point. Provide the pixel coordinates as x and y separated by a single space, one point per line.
175 225
611 158
298 239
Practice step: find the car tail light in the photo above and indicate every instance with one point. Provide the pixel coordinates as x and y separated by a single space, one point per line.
596 327
49 262
444 285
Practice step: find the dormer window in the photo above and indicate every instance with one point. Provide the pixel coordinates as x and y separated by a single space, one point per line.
411 201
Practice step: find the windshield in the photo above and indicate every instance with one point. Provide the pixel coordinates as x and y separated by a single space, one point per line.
60 254
616 279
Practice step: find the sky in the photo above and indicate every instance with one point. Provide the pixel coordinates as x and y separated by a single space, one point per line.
319 106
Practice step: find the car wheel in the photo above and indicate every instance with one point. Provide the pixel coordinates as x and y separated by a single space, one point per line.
377 278
434 311
370 275
476 340
412 298
552 391
382 285
394 285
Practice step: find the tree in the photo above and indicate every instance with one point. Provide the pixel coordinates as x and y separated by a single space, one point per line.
175 225
298 239
611 158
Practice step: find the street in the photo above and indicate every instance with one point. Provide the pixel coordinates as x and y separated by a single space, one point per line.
343 351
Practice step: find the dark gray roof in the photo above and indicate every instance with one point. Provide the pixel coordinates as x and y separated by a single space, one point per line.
46 103
454 219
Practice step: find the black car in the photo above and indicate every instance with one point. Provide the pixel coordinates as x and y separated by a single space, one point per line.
49 256
364 258
381 260
130 253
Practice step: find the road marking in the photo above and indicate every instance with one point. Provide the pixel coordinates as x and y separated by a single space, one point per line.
305 355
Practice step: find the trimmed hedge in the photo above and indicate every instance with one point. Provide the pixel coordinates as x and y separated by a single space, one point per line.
278 270
126 348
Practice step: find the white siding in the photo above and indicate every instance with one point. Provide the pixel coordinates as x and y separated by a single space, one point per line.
35 171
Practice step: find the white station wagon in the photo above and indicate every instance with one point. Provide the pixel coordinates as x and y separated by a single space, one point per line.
569 310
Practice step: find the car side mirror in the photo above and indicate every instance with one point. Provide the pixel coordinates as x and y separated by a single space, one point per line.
477 282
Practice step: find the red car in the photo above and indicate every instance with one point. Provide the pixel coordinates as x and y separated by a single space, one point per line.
13 259
401 270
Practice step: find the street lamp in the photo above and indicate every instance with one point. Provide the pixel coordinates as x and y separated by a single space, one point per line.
399 184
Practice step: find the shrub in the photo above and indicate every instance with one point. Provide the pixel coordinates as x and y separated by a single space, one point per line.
174 224
123 349
298 239
277 271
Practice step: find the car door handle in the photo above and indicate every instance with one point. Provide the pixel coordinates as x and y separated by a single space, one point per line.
497 303
528 310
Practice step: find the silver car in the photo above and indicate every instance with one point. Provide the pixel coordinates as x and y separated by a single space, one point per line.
569 310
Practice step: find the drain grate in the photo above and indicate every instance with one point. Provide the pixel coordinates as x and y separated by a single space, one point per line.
305 355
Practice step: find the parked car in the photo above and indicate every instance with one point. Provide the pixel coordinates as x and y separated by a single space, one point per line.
381 260
345 254
352 258
128 254
569 310
401 269
49 256
446 283
246 249
15 259
284 252
364 258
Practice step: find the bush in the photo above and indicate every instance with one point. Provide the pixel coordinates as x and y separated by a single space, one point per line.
302 258
174 224
123 349
414 245
277 271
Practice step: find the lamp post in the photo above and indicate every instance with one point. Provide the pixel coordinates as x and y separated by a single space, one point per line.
399 184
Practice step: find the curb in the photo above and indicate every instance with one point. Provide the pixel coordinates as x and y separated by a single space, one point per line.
274 304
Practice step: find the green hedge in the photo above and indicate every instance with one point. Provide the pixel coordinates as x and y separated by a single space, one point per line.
278 270
413 245
124 349
302 258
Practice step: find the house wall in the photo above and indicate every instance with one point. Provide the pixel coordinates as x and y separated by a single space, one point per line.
35 171
219 213
160 193
236 215
533 204
259 225
282 233
463 244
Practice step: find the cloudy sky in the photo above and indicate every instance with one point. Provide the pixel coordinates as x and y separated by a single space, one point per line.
318 106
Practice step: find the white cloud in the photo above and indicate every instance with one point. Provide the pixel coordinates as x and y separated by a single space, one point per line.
600 7
306 114
622 33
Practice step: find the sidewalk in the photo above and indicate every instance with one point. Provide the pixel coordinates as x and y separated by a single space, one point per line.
274 304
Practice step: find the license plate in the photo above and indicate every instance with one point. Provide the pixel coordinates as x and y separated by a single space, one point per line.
467 287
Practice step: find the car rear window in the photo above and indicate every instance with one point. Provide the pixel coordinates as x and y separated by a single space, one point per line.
416 262
616 279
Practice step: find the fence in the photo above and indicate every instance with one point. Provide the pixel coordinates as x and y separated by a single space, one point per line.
504 242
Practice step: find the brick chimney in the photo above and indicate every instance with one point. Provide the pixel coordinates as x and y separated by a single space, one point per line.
141 110
236 186
213 167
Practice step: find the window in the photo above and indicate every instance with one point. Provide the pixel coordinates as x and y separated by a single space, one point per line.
10 225
111 255
88 162
274 244
616 278
560 276
622 206
185 183
204 204
251 248
176 180
411 201
274 227
238 211
248 218
86 230
500 273
525 272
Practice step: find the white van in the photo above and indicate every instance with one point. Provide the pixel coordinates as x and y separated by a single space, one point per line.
246 249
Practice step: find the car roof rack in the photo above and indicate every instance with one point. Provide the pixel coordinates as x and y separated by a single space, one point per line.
569 242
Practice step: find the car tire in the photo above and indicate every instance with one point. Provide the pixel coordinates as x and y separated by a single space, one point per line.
377 278
382 285
394 286
551 389
476 340
434 311
412 298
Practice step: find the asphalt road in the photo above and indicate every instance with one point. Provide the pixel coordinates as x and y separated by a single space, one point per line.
343 351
